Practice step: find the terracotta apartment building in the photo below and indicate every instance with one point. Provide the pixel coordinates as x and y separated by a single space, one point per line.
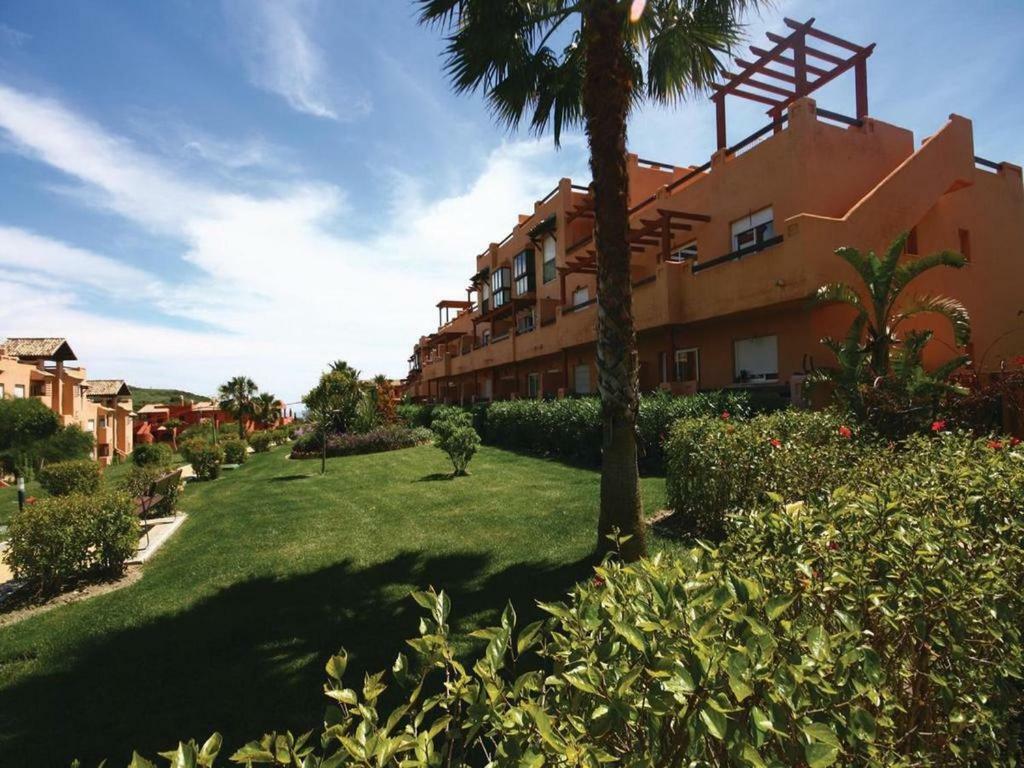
37 367
727 254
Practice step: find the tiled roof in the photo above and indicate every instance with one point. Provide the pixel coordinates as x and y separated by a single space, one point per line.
46 348
154 408
106 387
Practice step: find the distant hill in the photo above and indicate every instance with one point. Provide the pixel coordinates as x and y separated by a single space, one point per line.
144 396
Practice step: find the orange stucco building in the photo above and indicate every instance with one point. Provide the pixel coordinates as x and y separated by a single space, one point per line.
727 254
37 367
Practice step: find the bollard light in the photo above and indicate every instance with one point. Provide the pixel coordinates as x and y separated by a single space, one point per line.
21 493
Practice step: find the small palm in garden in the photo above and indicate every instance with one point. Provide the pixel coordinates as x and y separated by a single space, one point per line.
236 397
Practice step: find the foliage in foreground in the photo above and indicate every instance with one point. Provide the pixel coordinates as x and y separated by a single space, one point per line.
31 436
392 438
59 538
871 628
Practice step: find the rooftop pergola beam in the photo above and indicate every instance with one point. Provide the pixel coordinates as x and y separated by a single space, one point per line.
763 58
831 58
789 62
767 71
701 217
773 103
826 37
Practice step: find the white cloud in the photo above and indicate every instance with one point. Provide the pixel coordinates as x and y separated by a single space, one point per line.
282 58
282 284
13 38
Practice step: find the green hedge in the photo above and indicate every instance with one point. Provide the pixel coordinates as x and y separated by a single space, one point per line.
873 628
152 454
235 451
64 477
378 440
719 465
204 457
139 481
260 441
56 539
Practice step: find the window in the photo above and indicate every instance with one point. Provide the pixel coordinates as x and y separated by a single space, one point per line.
485 299
19 390
663 366
524 323
581 379
580 296
549 259
501 292
37 388
965 243
485 339
524 272
757 359
753 230
90 425
533 385
2 392
485 389
687 365
103 422
687 252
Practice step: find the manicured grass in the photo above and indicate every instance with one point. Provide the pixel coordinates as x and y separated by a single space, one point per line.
9 496
276 568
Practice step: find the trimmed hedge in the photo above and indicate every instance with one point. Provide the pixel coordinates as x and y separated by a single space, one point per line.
235 451
876 628
204 457
151 454
719 465
260 441
59 538
379 440
65 477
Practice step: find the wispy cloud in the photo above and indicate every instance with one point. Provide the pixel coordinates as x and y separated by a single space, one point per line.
281 57
282 283
13 38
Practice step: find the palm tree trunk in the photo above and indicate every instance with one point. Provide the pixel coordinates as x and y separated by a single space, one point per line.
606 89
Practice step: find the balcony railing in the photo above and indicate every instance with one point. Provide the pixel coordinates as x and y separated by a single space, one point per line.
763 245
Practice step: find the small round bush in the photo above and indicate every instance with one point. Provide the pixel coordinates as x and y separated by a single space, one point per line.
205 459
151 454
260 441
64 477
235 451
460 442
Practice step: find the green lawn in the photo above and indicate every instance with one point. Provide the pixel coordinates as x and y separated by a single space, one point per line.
9 496
276 568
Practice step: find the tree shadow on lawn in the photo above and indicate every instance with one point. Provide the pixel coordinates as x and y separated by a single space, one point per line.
250 659
435 476
289 478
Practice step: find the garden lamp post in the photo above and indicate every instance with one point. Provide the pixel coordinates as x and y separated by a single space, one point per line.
21 493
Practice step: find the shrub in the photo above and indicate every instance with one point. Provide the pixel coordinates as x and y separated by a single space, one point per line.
717 465
260 441
870 629
660 411
205 458
151 454
64 477
139 481
59 538
235 451
376 441
460 441
66 444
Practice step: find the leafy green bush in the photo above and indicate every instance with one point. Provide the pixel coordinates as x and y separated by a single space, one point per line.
64 477
717 465
457 438
876 629
139 481
376 441
571 428
151 454
66 444
59 538
204 457
260 441
235 451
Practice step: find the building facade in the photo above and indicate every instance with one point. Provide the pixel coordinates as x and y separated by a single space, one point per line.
725 258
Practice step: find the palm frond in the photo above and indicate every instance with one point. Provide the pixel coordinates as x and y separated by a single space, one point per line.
839 293
955 312
861 264
909 270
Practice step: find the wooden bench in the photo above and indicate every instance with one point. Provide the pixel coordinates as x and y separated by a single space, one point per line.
157 492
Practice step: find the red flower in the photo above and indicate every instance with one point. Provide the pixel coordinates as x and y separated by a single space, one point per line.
598 581
725 415
1014 442
995 445
833 545
1019 360
845 431
776 443
938 426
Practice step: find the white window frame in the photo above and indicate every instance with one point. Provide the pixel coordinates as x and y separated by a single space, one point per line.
2 392
680 357
685 252
550 256
19 391
581 290
533 385
90 425
753 229
768 341
576 379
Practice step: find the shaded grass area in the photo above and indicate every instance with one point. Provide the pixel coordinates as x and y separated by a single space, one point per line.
9 496
276 568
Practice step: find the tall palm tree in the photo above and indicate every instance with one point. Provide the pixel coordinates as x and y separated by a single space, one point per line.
266 408
236 397
340 366
594 80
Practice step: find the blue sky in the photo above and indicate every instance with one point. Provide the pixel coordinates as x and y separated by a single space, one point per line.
193 189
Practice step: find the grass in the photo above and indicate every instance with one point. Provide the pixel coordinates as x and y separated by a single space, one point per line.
9 496
276 568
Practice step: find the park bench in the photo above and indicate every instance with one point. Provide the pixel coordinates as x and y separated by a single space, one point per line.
156 493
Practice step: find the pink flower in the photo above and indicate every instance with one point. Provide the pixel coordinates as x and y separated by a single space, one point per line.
995 445
725 415
598 581
776 443
938 426
1014 442
1019 360
845 431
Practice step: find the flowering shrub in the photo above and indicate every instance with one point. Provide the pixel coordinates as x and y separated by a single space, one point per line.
716 465
879 628
376 441
64 477
235 451
59 538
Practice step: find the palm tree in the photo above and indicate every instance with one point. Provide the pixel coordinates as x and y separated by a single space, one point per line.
236 397
266 409
340 366
873 349
596 78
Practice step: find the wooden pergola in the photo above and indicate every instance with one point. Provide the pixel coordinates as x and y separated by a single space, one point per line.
445 307
804 69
